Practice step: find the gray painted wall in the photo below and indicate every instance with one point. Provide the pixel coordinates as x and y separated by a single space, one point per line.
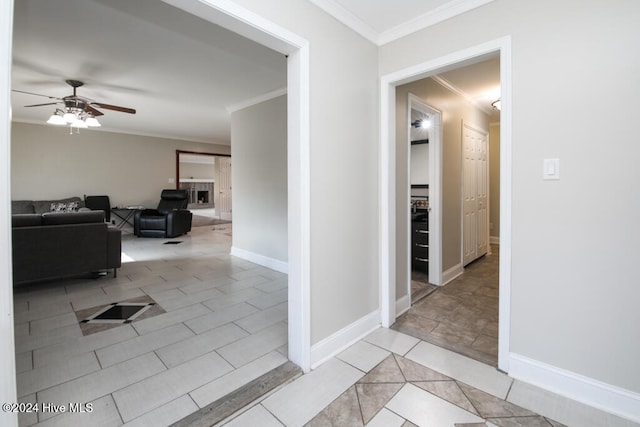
48 163
344 164
259 177
575 90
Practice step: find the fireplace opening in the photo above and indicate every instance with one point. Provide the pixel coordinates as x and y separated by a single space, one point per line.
203 197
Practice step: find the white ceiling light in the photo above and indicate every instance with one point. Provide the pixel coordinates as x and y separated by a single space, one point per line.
79 123
74 117
69 117
57 119
421 123
92 121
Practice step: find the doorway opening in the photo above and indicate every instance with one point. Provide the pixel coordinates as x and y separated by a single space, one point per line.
393 286
460 314
207 179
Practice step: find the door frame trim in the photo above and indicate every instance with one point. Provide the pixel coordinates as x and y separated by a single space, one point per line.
387 178
435 193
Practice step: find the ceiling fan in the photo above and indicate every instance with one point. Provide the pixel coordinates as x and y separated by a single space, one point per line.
77 111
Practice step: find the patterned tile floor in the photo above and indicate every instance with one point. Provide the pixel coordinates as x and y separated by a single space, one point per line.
385 380
446 401
461 316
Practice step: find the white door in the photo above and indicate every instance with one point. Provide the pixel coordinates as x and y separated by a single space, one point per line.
475 225
223 188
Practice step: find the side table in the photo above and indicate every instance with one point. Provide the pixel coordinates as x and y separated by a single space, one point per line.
125 215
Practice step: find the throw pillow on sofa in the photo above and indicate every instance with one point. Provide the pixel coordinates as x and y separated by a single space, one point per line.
42 206
65 207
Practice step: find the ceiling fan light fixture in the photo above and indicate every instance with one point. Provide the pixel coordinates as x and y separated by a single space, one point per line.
79 123
92 122
57 119
77 111
69 117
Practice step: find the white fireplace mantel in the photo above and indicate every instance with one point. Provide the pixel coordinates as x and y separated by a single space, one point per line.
196 180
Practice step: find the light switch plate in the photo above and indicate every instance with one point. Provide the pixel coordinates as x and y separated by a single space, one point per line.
551 169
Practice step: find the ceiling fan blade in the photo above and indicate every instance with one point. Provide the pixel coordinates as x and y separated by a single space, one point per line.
37 94
93 111
42 105
114 107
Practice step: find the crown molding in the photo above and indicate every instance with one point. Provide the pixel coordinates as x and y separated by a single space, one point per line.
349 19
435 16
257 100
465 95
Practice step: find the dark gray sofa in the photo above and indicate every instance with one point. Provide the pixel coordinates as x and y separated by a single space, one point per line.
43 206
58 244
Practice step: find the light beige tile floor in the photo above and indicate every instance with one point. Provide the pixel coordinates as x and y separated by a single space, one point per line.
225 323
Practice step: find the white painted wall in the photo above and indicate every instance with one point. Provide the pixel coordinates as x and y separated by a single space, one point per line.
575 88
343 169
259 177
48 163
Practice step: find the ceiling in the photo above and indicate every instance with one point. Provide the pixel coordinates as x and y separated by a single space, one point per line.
179 72
479 83
182 74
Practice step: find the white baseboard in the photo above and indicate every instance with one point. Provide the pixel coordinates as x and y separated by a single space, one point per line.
403 305
494 240
347 336
452 273
594 393
274 264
